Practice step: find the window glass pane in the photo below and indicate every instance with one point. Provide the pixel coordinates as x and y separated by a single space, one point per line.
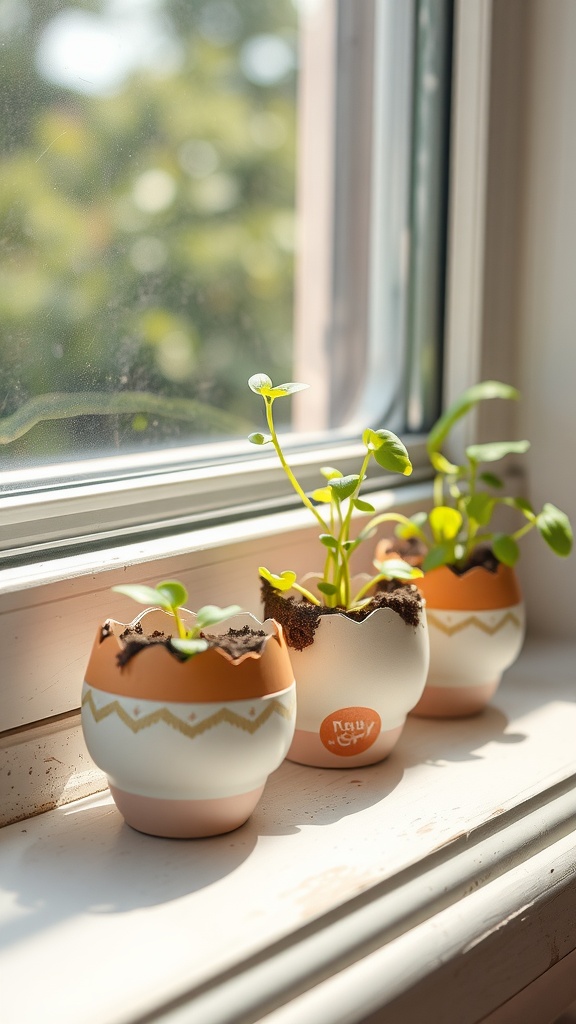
147 180
192 191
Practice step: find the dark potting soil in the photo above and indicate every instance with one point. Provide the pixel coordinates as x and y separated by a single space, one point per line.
300 619
413 551
234 642
482 556
237 642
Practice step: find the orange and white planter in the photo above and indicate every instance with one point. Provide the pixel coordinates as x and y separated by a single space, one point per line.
188 746
356 684
476 628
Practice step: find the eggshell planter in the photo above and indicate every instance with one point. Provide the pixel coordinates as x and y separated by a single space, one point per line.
187 746
356 683
476 626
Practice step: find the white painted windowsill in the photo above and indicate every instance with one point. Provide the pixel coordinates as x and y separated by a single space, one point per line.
451 864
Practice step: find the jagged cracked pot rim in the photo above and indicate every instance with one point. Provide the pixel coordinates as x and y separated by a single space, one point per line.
301 620
115 628
156 674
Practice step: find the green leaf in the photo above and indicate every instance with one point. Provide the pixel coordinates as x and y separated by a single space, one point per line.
210 614
506 549
258 438
323 494
492 480
521 504
445 522
330 473
260 383
349 545
327 588
440 554
554 526
480 508
496 450
174 592
189 647
441 464
328 541
342 487
397 569
288 389
388 450
370 439
144 595
467 400
363 506
284 581
413 527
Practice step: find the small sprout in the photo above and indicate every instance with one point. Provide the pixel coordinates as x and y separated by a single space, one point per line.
460 519
332 505
171 596
285 581
262 385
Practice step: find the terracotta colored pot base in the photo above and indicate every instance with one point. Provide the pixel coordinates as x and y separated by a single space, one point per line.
307 748
454 701
185 819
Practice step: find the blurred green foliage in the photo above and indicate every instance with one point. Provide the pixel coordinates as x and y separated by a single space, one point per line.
146 231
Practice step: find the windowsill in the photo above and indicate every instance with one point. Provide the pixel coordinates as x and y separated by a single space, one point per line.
356 887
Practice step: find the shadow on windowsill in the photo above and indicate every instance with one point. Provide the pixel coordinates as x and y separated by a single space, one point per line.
438 741
90 862
322 796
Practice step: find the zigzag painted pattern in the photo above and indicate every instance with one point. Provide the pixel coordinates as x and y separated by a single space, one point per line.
474 621
191 731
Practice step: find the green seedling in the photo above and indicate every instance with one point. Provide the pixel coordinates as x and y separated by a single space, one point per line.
171 596
333 505
466 496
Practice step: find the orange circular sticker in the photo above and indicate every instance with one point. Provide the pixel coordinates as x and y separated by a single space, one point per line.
350 731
